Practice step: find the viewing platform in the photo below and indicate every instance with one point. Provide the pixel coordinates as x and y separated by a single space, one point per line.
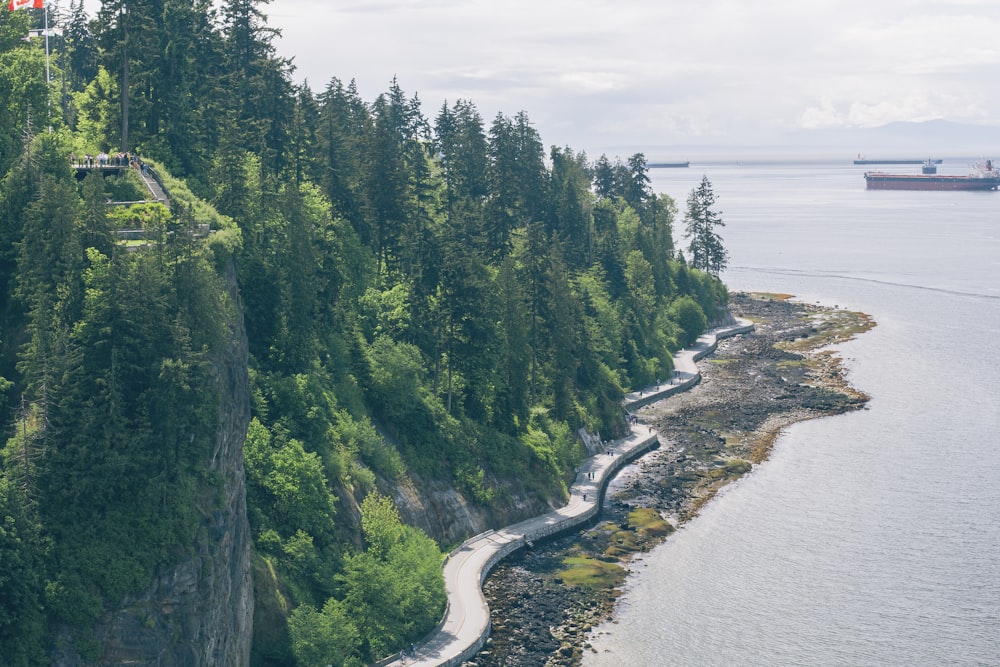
81 170
148 176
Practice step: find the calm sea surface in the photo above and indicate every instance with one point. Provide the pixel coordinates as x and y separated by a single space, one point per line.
871 538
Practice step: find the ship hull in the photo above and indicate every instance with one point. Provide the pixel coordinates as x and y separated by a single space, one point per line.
871 162
876 181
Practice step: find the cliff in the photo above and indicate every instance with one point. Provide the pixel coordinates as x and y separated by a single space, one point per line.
444 513
198 612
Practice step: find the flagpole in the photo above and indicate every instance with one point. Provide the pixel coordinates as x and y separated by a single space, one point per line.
48 77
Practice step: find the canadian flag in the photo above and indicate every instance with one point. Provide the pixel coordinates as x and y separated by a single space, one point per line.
24 4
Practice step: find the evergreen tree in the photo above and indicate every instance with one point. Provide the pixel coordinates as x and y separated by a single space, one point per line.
343 123
512 401
81 47
700 222
395 174
635 185
22 582
604 178
572 206
257 82
518 181
461 144
24 94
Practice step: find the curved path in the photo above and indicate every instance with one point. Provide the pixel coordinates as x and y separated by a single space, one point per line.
466 623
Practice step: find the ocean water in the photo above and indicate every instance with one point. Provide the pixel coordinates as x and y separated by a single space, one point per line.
871 538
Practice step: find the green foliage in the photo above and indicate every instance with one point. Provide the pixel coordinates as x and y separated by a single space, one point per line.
21 595
23 93
380 525
700 222
289 486
120 400
126 187
394 590
130 415
325 637
393 593
689 316
97 115
420 303
191 207
151 217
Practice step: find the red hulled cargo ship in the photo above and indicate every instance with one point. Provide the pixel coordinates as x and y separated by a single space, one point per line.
985 177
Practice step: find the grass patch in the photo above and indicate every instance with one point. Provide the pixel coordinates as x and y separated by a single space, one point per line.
623 543
647 522
591 573
830 326
771 296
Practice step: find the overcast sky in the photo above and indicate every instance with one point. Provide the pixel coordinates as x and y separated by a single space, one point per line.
596 74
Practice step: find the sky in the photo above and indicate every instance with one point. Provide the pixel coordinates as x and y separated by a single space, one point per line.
597 75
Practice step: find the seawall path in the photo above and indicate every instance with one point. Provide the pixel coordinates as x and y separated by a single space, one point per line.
466 624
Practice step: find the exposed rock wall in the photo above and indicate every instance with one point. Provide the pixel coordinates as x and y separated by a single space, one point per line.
445 514
198 613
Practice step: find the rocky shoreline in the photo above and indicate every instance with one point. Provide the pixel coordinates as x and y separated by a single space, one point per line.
544 602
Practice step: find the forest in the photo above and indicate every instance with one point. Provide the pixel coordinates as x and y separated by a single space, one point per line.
426 298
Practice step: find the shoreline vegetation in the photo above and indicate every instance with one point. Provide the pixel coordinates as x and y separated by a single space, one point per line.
546 602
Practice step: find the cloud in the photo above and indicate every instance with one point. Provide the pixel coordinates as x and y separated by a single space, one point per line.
647 71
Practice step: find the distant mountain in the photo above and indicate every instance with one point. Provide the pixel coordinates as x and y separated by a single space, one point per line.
933 138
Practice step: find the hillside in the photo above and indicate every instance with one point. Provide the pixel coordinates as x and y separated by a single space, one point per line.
245 421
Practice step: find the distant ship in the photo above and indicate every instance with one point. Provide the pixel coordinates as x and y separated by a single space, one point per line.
984 177
866 161
668 165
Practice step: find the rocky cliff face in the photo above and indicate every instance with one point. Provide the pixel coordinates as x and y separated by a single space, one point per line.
199 612
445 514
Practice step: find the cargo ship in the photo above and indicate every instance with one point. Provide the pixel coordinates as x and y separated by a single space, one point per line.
984 177
669 165
864 161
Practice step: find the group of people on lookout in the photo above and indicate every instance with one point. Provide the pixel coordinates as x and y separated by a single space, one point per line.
102 159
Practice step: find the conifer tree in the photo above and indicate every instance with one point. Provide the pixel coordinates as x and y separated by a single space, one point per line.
700 222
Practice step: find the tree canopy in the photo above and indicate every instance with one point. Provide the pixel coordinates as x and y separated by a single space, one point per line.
426 302
700 224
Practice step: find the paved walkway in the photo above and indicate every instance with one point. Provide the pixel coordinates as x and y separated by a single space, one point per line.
155 191
466 623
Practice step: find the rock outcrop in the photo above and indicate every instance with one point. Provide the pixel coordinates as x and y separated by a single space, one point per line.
444 513
199 612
